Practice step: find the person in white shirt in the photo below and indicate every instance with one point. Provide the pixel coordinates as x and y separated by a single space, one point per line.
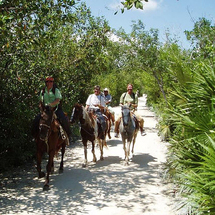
95 101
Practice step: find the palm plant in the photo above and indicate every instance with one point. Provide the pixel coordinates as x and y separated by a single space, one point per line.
194 148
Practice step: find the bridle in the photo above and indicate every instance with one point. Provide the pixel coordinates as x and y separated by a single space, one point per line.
48 133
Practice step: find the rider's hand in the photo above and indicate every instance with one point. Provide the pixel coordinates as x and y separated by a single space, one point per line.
129 104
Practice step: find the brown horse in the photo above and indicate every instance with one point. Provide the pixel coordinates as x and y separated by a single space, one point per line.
91 129
111 119
51 138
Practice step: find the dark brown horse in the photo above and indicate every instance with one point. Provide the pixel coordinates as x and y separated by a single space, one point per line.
51 138
91 129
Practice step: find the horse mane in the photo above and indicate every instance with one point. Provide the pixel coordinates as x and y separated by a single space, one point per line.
88 118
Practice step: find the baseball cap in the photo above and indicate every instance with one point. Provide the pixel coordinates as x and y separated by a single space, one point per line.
49 78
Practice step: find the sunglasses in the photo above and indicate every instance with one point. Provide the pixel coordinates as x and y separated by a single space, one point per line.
49 81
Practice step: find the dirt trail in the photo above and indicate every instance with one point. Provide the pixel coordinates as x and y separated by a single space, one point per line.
105 188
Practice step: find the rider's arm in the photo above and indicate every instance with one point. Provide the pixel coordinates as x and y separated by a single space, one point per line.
54 103
133 105
121 101
135 102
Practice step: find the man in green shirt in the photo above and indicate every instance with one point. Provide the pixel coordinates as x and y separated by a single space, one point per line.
130 99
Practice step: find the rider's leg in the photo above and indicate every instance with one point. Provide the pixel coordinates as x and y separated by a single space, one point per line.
141 123
63 121
116 128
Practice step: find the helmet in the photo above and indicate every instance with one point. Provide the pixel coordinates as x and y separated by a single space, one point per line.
106 89
49 78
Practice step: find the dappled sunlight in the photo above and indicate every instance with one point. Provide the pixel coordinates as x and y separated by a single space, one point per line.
106 183
104 187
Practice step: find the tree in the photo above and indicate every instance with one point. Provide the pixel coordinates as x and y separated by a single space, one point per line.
202 37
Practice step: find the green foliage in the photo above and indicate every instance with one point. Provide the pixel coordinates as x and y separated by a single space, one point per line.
128 4
41 38
62 39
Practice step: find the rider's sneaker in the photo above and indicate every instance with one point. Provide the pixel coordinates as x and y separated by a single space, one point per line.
143 133
116 135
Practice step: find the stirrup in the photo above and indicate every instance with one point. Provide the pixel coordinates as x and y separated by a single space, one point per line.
62 133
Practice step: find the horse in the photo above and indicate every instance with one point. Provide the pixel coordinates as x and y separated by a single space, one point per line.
91 130
128 129
111 119
50 138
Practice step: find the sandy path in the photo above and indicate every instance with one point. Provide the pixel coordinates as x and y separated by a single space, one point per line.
105 188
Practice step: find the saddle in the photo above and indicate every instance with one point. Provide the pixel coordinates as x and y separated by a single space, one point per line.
136 121
101 118
62 132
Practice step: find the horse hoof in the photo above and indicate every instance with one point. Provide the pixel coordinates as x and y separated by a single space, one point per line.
84 165
52 170
101 158
60 171
46 187
41 175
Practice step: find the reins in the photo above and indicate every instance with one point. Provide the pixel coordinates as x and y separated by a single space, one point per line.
49 132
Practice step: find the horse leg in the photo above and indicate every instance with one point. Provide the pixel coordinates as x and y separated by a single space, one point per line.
113 119
93 151
101 145
134 140
85 153
52 168
109 128
62 155
128 149
39 160
125 150
48 169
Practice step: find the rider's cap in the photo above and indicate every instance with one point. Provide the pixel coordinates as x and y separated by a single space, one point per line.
96 87
129 87
105 89
49 78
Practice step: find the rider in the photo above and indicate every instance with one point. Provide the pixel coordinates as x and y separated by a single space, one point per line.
51 96
107 97
96 103
130 99
108 100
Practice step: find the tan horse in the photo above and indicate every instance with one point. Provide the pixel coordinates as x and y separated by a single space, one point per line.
128 129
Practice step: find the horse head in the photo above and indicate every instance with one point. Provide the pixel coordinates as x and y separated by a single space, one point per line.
77 113
126 117
47 114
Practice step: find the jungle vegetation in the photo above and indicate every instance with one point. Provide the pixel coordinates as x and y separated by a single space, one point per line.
62 38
